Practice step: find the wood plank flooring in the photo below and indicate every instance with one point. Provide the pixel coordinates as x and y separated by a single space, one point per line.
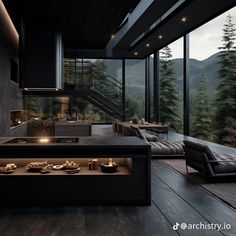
174 199
207 206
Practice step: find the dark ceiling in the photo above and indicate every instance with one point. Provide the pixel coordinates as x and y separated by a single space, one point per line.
85 23
89 24
172 28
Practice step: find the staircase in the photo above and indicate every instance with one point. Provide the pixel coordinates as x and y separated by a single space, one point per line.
104 104
97 87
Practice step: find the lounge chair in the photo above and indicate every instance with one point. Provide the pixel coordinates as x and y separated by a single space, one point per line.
201 158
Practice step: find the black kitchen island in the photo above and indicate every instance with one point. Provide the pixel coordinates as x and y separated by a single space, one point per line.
129 185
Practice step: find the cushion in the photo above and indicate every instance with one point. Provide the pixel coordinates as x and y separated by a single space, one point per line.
225 167
211 156
137 132
200 148
150 137
166 148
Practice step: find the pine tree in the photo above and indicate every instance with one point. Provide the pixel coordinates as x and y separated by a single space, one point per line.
202 112
32 107
56 107
226 91
104 84
46 109
169 102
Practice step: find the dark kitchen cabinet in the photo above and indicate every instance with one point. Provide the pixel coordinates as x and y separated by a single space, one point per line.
41 53
65 128
129 185
41 128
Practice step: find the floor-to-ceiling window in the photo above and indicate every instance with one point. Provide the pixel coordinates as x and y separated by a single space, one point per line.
99 86
135 89
213 80
83 110
151 80
69 72
171 85
47 108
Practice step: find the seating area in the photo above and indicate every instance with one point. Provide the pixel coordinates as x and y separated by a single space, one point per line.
125 129
210 164
197 155
160 148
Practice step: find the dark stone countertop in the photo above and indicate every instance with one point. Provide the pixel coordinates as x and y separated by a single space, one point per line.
72 123
84 141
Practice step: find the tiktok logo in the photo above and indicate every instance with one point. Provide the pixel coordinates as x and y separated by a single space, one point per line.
176 226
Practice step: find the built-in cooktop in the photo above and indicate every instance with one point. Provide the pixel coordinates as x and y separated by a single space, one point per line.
43 140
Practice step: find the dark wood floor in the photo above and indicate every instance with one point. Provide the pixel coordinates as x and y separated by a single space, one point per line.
174 199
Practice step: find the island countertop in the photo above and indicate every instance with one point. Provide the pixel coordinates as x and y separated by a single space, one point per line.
83 141
72 123
73 128
130 184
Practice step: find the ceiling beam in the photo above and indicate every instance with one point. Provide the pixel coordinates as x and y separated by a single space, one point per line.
136 14
151 19
138 22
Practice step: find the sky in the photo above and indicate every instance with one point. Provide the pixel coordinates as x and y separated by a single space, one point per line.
205 40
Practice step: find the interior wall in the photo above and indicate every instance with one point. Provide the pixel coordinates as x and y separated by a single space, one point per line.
10 95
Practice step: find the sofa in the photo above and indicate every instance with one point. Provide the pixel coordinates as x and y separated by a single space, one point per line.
159 148
201 158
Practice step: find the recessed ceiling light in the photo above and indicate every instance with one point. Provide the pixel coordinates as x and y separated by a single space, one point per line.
136 53
183 19
112 36
160 36
147 45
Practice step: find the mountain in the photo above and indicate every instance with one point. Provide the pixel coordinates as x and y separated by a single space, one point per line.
209 67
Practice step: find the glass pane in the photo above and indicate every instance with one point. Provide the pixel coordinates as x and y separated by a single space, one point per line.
135 89
69 72
171 86
47 108
151 77
212 80
85 111
100 83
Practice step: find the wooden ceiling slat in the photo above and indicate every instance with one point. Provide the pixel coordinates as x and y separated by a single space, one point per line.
93 15
117 19
96 23
86 23
108 14
80 24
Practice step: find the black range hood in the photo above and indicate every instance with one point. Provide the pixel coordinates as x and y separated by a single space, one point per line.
41 54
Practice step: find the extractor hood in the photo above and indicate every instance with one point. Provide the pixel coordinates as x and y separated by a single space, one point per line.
41 54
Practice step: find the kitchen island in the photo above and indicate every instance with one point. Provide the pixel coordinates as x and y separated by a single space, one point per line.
73 128
129 185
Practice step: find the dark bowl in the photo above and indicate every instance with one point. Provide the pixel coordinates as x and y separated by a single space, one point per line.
109 169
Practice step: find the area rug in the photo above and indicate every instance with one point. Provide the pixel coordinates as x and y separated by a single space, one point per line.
224 190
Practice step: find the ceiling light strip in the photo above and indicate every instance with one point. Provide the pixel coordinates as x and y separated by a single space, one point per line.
7 22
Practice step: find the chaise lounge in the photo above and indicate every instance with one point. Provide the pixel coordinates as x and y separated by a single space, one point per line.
159 149
201 158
